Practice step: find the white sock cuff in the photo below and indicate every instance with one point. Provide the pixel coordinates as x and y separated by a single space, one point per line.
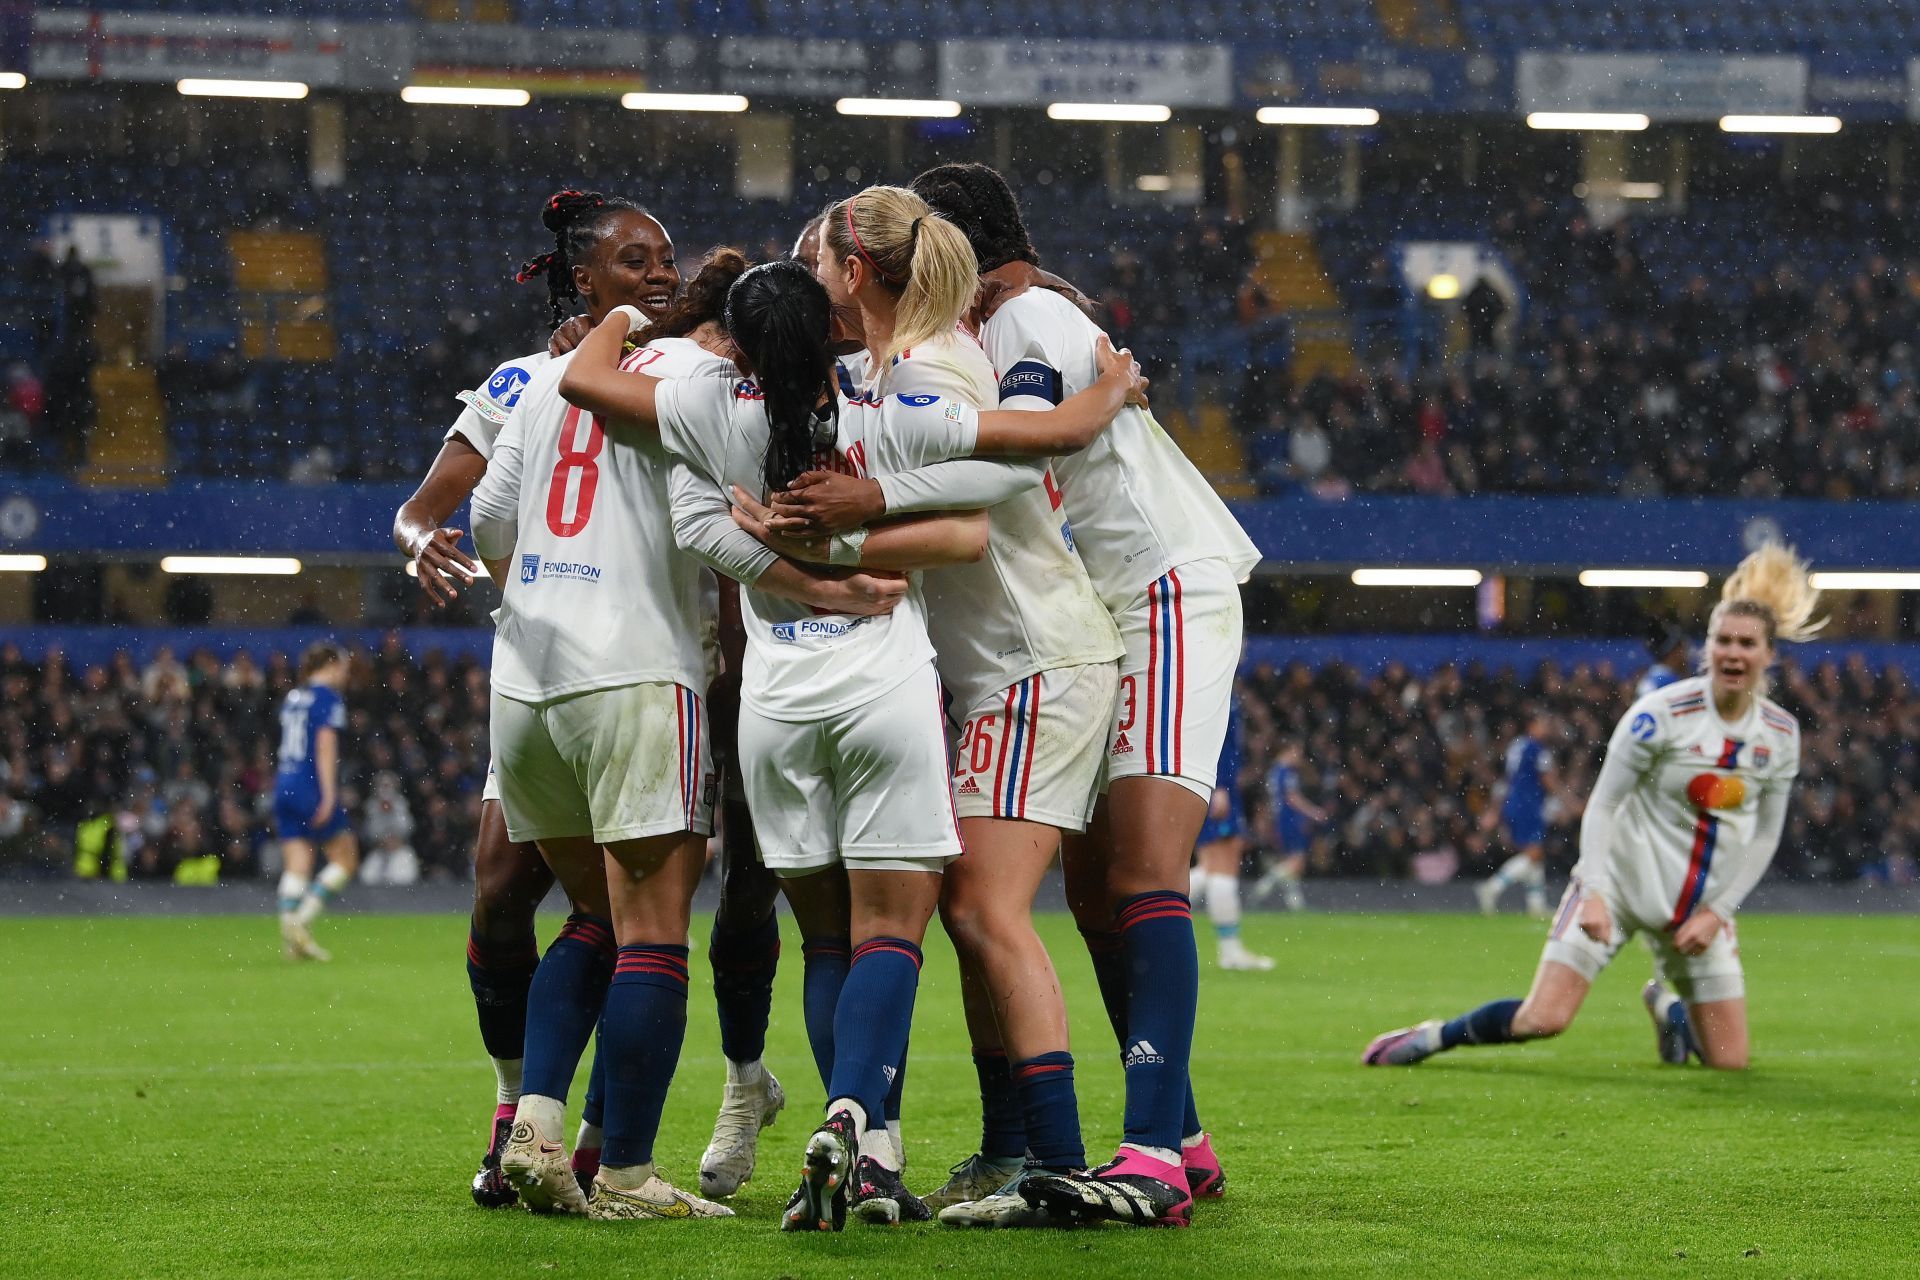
335 877
746 1072
506 1074
591 1137
1223 899
292 886
548 1115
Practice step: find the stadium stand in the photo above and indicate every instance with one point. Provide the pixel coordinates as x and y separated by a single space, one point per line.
176 754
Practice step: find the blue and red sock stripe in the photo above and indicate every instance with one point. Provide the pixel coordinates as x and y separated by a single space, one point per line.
884 945
588 930
1162 904
658 961
1035 1068
1706 834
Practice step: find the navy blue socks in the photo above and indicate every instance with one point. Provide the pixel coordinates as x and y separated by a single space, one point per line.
870 1025
564 1002
824 966
1489 1024
744 964
1163 989
645 1027
1052 1113
1003 1130
500 974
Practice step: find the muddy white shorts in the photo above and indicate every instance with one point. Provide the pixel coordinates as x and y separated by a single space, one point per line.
867 787
613 764
1714 974
1035 750
1176 681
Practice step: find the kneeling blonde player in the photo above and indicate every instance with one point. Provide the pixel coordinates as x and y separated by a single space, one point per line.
1683 822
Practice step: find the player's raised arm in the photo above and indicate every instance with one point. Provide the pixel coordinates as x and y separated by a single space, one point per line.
595 382
1077 422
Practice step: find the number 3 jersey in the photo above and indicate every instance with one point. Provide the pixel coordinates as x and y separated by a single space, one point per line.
597 593
1687 810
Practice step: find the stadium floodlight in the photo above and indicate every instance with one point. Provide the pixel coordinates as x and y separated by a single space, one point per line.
447 95
1643 578
12 80
242 88
1605 121
1350 116
1113 112
272 566
1780 124
930 108
1881 581
1416 577
20 562
1443 287
1153 182
683 102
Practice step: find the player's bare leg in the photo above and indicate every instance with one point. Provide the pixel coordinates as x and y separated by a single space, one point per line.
342 855
1550 1006
1528 867
509 882
1720 1027
650 885
987 905
564 1004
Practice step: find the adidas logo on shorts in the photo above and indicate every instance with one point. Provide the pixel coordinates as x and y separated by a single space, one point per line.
1122 746
968 788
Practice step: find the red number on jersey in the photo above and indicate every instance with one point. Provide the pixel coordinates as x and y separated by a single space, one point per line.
980 749
1127 691
571 460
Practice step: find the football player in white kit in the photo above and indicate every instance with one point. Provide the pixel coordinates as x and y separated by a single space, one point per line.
607 251
1683 821
842 734
1166 557
1029 658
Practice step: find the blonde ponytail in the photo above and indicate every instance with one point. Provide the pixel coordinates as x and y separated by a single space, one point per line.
914 251
1774 585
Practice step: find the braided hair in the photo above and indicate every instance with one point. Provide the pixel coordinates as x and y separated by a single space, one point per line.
978 200
782 320
577 219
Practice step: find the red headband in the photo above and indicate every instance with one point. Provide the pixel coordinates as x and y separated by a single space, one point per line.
861 248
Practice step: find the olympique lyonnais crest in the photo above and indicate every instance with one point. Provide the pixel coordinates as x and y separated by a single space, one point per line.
1760 757
529 568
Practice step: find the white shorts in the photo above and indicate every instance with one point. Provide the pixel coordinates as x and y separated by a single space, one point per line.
1714 974
613 764
1183 638
490 790
867 787
1034 750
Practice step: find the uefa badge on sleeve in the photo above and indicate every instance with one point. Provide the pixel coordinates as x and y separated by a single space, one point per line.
529 568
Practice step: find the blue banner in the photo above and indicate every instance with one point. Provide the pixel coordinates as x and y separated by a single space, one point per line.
347 522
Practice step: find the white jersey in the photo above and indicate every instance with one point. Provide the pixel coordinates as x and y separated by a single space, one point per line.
1688 807
1137 506
599 595
1025 607
490 404
803 665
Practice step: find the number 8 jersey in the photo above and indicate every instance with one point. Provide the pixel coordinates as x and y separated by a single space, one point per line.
597 594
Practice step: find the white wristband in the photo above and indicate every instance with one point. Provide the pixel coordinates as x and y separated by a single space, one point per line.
633 317
844 549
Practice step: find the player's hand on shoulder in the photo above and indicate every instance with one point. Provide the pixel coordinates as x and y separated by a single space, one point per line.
822 503
1595 920
569 335
1121 364
439 562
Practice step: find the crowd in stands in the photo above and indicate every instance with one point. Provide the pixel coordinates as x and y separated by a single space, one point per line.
166 772
1408 766
1651 359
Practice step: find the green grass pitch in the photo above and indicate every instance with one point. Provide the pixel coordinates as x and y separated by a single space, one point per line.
180 1102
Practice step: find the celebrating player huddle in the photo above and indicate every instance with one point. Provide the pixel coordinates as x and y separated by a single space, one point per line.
879 550
970 567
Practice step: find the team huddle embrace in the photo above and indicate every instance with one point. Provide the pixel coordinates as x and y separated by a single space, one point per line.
878 550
